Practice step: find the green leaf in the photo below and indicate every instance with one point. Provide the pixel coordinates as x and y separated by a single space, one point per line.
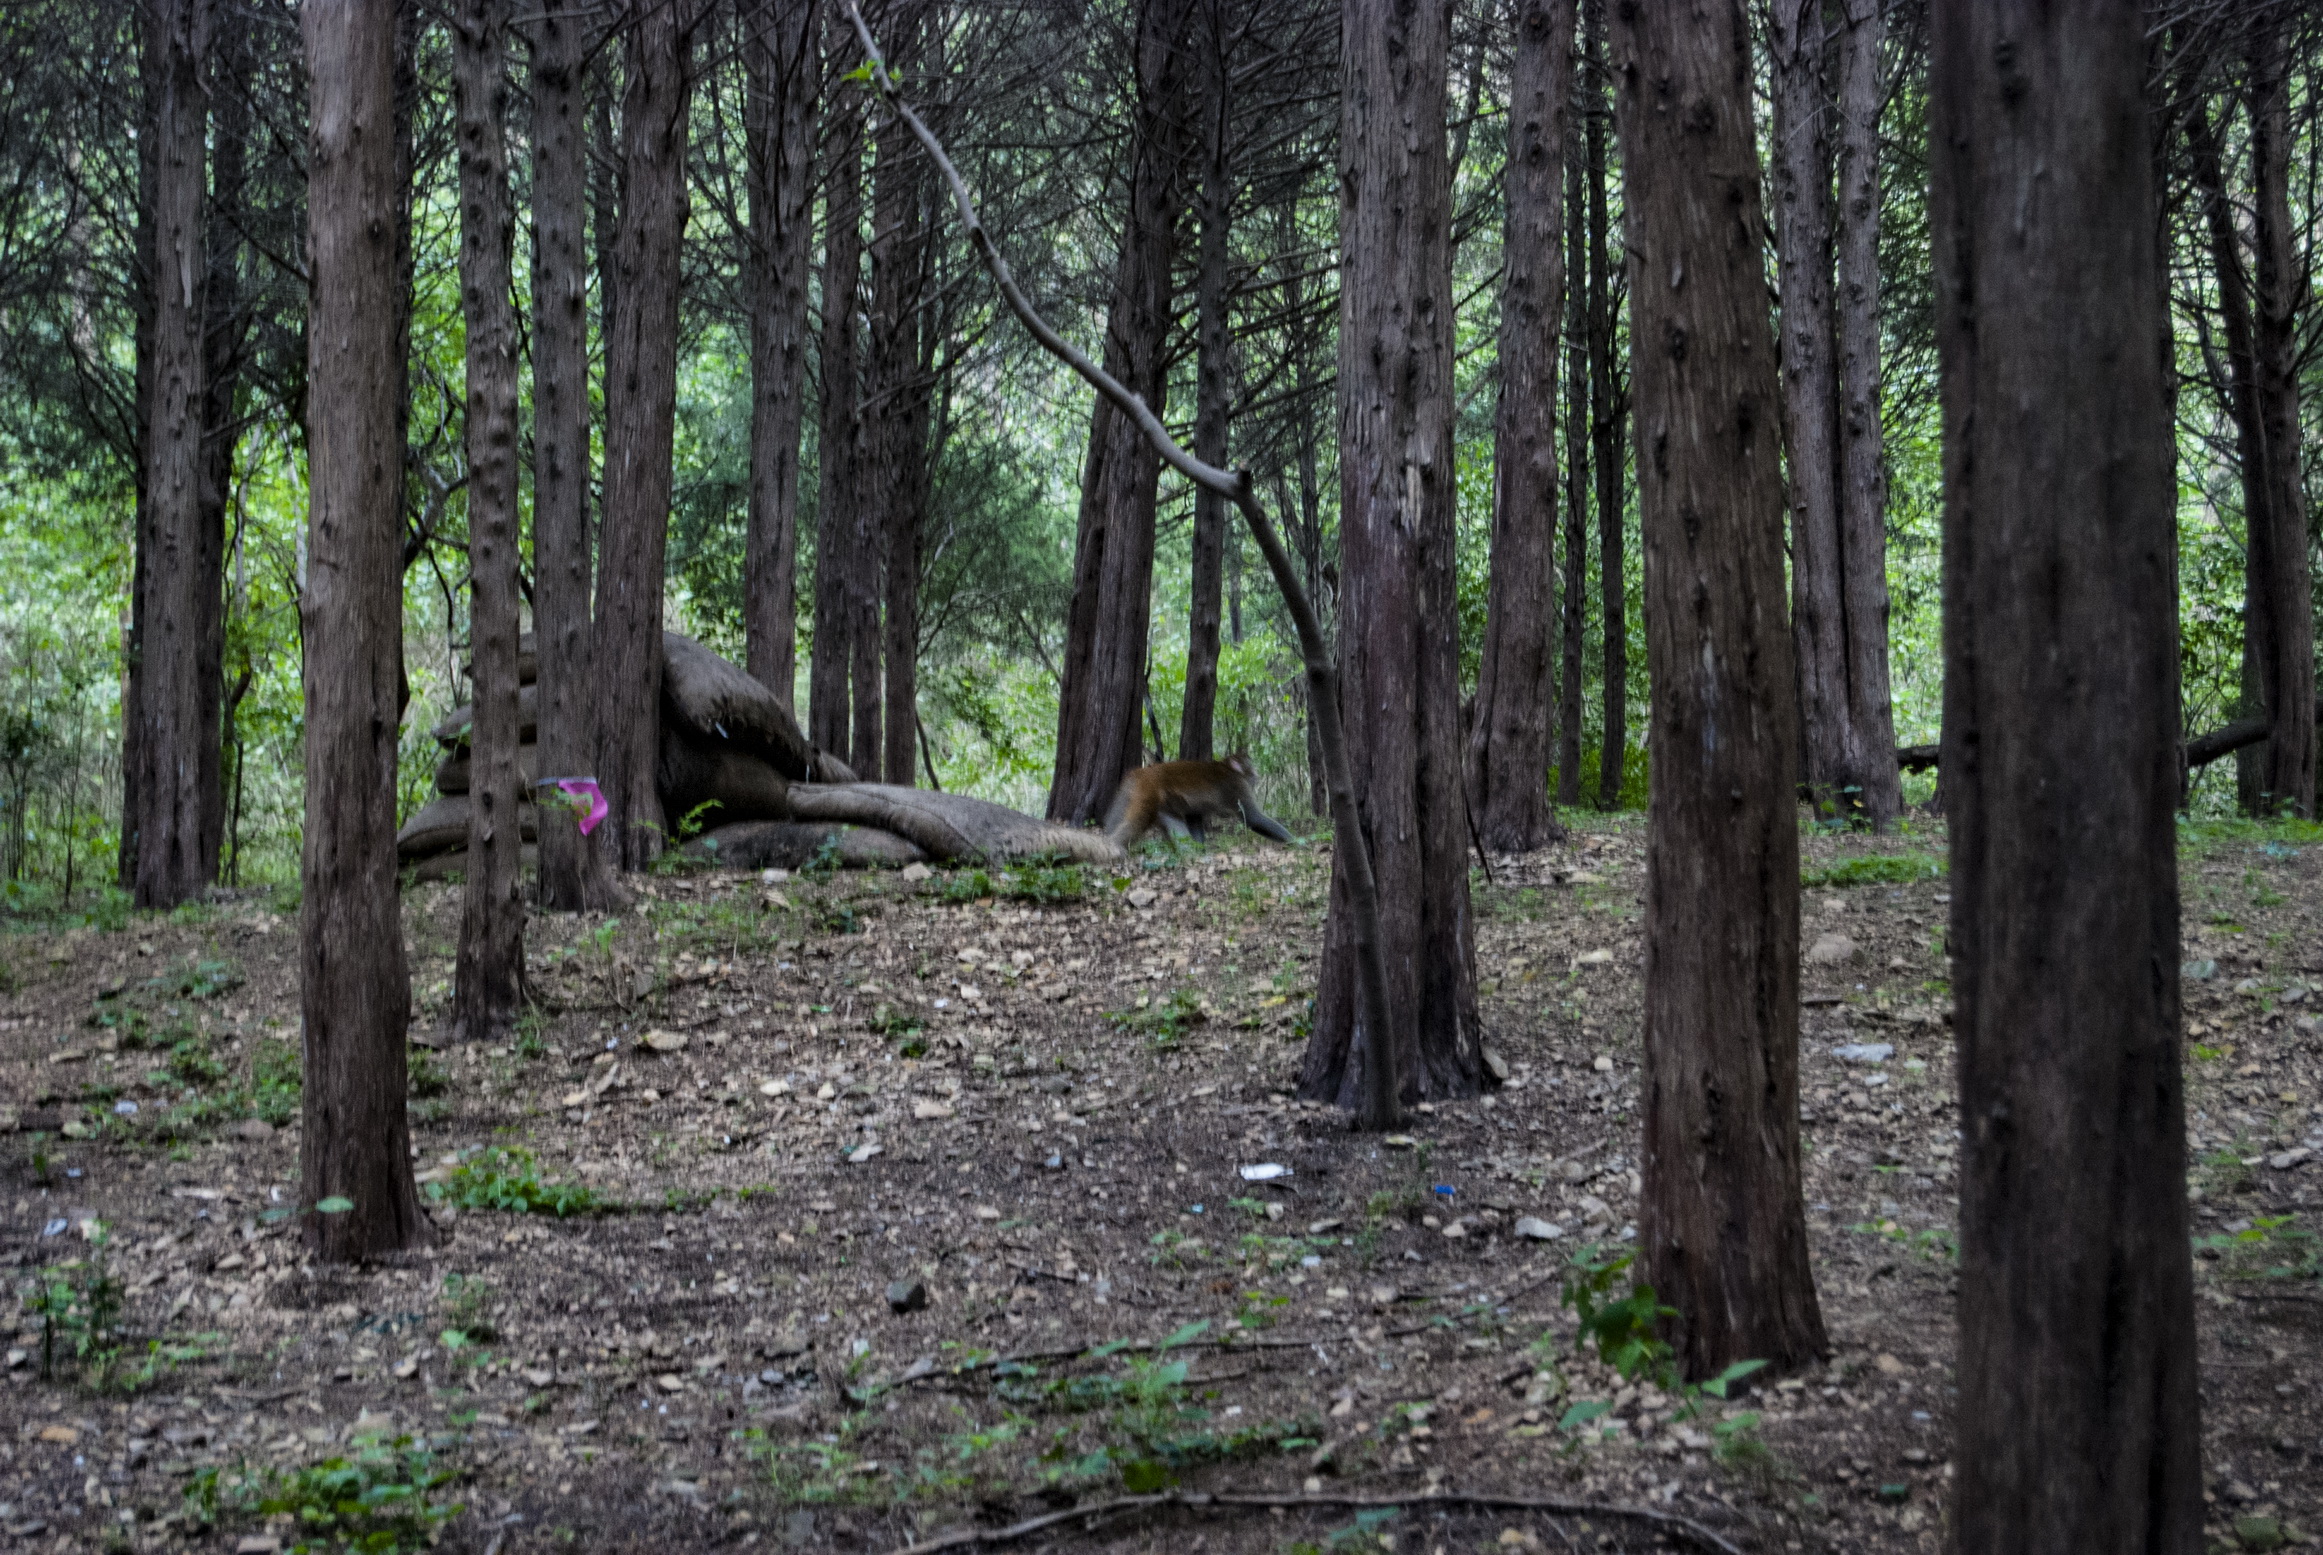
334 1205
1582 1413
1144 1477
1716 1387
1186 1335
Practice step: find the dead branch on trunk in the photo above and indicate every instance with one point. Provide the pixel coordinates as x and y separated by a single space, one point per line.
1352 852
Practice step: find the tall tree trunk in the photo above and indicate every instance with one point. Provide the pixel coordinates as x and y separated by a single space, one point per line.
1508 739
1398 617
227 316
1213 384
1810 387
354 996
573 874
2282 575
1608 411
833 656
488 977
898 429
641 362
778 52
1573 594
179 633
2079 1418
1876 783
1722 1233
1107 626
2237 314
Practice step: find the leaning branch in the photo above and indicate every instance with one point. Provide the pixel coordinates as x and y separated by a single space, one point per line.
1382 1105
2199 751
1670 1523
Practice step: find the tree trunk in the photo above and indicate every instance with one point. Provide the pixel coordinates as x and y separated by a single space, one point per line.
1508 740
1607 413
488 988
778 52
1722 1233
1398 617
573 874
1810 411
227 315
1573 595
354 996
1878 796
640 412
1213 388
2281 572
178 631
2079 1422
898 429
833 657
1107 626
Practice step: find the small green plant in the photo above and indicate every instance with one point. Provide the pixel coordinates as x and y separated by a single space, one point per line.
966 885
1623 1331
1934 1242
424 1076
825 861
78 1306
201 979
1046 884
468 1306
2273 1247
1877 869
380 1499
1164 1022
905 1029
507 1178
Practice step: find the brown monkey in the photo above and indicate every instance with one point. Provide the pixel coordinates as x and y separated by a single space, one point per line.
1181 795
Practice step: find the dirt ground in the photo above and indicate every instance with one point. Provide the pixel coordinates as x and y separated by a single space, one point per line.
799 1106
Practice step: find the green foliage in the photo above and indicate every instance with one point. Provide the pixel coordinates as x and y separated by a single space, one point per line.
77 1305
380 1499
1876 869
1934 1242
507 1178
2273 1247
1164 1022
1623 1330
423 1076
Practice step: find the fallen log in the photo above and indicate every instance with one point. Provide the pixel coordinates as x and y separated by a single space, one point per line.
950 826
796 844
2199 751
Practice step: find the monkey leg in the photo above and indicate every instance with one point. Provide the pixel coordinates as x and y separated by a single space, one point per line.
1194 825
1175 827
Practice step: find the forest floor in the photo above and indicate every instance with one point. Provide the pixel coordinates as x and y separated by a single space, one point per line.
775 1113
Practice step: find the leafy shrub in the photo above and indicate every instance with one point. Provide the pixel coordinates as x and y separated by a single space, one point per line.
1877 869
379 1499
507 1178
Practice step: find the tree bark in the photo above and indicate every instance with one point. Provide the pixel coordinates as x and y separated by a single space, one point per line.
832 658
2281 573
1213 386
2079 1416
572 870
227 315
488 975
1608 412
640 413
1398 632
778 53
179 629
1722 1233
1107 626
1508 739
898 430
1878 796
1573 594
353 992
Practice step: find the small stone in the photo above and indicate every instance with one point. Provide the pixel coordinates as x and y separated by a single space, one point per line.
1399 1142
1831 950
772 876
1141 898
774 1088
1603 1063
986 1212
1456 1230
2198 971
863 1153
539 1376
254 1129
1889 1365
907 1296
2283 1161
915 873
258 1544
1594 1208
1594 958
63 1434
665 1041
1495 1065
1534 1229
928 1111
670 1382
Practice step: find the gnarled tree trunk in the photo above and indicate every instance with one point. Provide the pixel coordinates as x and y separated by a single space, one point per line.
641 367
1398 633
488 987
833 656
2079 1419
354 997
1722 1234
